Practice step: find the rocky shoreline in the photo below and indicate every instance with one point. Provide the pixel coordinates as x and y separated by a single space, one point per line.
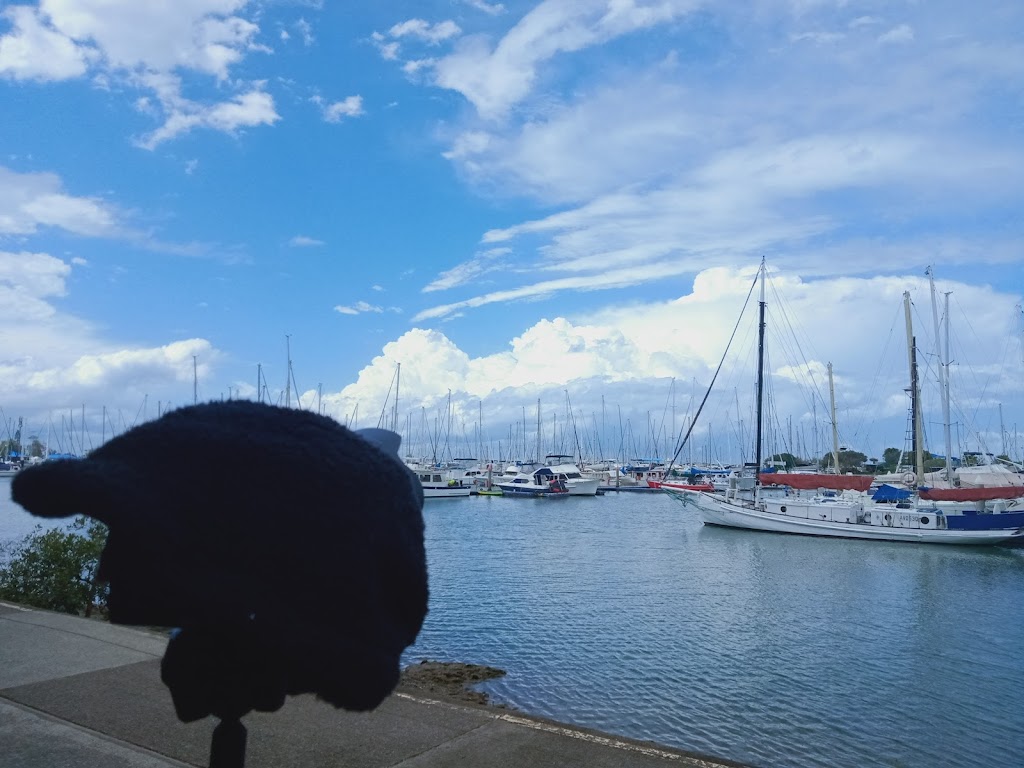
451 681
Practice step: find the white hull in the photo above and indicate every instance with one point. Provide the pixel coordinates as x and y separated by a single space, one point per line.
584 486
716 510
445 491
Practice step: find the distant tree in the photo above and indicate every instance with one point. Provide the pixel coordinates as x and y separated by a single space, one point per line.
786 458
849 461
891 458
57 569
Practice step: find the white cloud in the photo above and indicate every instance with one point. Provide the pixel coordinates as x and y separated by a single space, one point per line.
901 34
483 263
428 33
358 308
243 111
201 35
865 21
493 9
495 79
29 201
302 241
619 354
351 106
306 30
33 50
53 360
144 45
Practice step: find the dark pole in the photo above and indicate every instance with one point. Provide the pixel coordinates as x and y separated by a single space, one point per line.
760 373
914 405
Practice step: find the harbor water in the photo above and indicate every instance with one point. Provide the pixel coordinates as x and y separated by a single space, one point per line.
625 614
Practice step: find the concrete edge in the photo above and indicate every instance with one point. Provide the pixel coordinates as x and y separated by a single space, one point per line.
537 723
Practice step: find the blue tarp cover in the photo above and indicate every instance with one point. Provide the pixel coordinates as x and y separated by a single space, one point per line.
887 492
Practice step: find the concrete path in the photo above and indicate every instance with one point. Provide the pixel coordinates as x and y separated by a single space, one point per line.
83 693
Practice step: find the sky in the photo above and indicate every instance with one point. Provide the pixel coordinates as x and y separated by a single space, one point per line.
538 212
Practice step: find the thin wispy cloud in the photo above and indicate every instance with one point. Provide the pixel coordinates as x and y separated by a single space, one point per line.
304 241
493 9
901 34
360 307
487 261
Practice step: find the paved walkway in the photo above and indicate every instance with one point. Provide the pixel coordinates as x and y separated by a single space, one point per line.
76 692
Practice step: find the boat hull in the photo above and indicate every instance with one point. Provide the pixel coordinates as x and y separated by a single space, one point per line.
444 491
715 510
585 486
528 490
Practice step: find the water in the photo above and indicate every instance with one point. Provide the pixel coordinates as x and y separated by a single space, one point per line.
15 522
625 614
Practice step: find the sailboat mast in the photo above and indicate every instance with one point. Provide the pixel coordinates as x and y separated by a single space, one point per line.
835 429
760 373
943 373
537 453
288 376
398 377
915 399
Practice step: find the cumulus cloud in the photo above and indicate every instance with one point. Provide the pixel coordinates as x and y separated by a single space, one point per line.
54 361
143 45
33 50
246 110
611 356
29 201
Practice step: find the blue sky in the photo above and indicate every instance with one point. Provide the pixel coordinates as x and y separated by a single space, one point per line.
563 201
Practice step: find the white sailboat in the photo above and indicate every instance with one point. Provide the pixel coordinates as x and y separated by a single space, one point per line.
744 505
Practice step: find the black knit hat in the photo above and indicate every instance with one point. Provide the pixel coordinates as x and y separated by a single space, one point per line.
286 548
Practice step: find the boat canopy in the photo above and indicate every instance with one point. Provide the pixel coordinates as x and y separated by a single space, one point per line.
972 494
809 482
886 492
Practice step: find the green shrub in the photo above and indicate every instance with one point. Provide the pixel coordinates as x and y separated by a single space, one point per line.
57 569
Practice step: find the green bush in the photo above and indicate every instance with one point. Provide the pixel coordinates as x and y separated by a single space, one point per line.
57 569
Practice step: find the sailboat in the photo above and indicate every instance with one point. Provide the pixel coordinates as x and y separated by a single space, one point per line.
745 505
